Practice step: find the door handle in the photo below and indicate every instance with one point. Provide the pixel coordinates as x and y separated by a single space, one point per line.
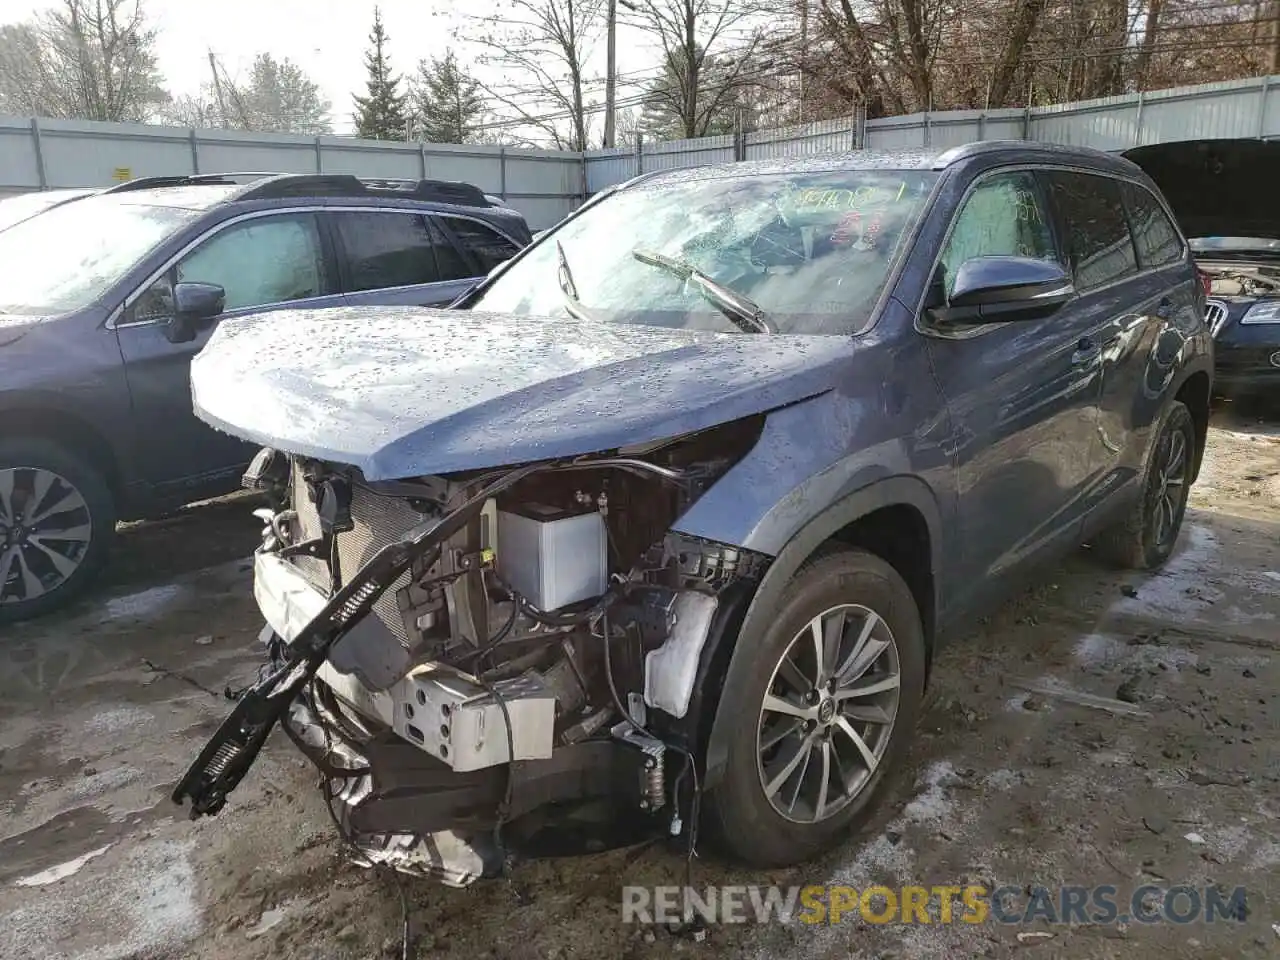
1086 350
1164 310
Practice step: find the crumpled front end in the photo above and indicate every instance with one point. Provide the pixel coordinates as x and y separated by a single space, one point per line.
478 660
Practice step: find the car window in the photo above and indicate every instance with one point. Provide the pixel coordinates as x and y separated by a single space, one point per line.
485 244
388 249
1097 231
1002 217
453 265
261 261
1154 235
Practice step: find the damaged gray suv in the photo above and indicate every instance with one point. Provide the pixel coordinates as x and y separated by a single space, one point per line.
663 524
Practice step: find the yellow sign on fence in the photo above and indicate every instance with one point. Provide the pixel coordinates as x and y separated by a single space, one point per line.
121 174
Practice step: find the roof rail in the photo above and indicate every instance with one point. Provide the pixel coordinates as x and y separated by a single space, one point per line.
184 180
279 186
349 185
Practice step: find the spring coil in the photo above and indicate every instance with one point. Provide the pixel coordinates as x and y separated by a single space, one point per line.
655 783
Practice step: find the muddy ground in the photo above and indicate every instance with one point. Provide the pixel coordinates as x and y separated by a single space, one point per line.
1099 729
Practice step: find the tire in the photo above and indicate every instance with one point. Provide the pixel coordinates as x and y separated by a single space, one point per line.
44 571
749 825
1140 541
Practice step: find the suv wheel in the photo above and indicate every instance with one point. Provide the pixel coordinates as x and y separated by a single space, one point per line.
1145 538
827 713
56 521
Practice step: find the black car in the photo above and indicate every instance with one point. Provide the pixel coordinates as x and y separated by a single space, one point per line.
105 300
675 508
1224 195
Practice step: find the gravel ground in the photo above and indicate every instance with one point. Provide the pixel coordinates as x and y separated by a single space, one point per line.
1100 729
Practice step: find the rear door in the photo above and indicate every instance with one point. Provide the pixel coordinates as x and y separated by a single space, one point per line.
263 262
395 257
1118 302
1022 395
1168 299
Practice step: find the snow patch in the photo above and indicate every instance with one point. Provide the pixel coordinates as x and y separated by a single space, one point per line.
1179 590
62 870
119 720
930 808
143 604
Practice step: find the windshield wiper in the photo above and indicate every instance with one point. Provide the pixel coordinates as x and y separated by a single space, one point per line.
745 313
564 276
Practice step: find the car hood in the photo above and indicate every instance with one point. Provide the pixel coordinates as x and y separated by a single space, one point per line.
403 392
1217 188
13 327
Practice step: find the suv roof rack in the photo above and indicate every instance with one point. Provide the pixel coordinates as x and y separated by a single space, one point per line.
278 186
349 185
184 180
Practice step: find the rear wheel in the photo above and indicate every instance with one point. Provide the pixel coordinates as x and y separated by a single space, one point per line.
57 518
1145 538
827 713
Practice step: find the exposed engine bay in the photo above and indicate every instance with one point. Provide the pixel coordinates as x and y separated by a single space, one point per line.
1237 279
457 653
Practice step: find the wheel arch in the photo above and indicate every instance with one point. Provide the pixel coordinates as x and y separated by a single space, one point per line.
76 434
1195 392
855 520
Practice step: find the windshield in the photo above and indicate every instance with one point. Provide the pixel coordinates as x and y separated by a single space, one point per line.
16 209
810 251
69 256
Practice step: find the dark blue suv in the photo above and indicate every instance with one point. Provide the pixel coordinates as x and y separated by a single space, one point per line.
676 508
104 300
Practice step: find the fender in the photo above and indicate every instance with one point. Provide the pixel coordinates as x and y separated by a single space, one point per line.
891 491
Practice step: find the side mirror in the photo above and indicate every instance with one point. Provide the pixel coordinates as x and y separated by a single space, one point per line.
193 303
1000 289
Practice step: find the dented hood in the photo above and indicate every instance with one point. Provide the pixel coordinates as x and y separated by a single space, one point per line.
402 392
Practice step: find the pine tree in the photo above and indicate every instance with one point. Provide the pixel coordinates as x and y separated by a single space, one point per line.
381 114
446 101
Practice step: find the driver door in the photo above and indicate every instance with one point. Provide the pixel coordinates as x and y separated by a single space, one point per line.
262 263
1022 395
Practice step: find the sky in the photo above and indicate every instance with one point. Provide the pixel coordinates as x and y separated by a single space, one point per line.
327 38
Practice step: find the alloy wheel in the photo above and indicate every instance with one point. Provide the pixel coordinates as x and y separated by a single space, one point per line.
1171 467
828 713
45 531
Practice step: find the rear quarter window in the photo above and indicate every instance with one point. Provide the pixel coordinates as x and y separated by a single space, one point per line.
1095 227
1154 234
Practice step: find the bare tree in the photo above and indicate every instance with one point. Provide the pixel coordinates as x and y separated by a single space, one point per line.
25 86
278 97
85 59
541 49
701 76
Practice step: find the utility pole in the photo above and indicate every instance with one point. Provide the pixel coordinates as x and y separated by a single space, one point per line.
611 72
804 49
217 88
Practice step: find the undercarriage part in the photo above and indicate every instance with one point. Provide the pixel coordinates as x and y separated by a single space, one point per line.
653 785
458 721
399 806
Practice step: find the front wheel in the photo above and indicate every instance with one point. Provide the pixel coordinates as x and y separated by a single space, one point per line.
1145 537
57 518
826 714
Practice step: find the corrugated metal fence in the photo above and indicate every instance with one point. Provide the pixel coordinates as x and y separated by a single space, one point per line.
547 184
1243 108
544 185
